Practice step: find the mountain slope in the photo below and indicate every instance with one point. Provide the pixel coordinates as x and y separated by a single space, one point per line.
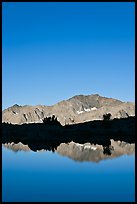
77 109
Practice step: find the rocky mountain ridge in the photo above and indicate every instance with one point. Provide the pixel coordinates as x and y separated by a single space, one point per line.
75 110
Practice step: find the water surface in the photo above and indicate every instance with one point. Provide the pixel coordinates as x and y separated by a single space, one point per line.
49 176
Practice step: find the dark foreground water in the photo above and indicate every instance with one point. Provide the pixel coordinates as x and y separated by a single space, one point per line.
48 176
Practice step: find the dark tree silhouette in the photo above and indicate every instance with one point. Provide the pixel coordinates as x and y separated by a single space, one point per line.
45 120
107 116
51 120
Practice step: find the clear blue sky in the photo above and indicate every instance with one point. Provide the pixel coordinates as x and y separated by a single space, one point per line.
53 51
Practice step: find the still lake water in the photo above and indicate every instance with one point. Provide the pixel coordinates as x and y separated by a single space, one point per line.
47 176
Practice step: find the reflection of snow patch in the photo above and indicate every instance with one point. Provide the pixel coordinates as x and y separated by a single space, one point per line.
94 148
94 108
34 122
79 145
87 147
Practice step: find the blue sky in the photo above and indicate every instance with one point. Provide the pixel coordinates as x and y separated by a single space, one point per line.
53 51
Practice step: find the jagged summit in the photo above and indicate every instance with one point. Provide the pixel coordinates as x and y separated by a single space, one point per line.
79 108
15 105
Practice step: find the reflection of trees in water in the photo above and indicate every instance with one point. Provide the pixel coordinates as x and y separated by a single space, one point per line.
80 152
107 150
50 136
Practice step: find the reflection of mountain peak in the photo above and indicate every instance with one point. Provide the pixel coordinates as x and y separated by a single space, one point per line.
17 147
94 153
83 152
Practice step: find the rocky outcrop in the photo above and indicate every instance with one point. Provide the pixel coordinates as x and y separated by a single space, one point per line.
74 110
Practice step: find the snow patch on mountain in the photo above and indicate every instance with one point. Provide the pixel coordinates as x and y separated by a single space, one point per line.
86 110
